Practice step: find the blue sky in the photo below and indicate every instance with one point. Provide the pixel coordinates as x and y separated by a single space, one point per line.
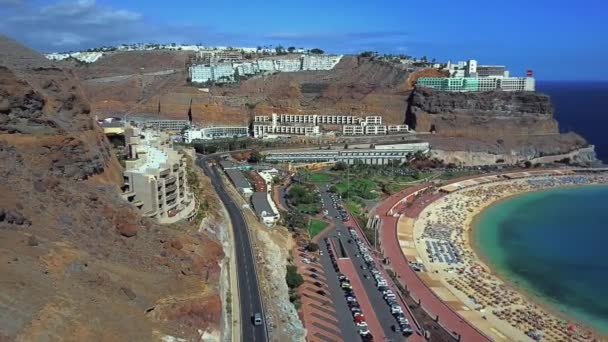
558 39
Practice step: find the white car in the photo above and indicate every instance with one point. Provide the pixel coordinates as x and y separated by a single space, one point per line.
362 324
364 332
306 261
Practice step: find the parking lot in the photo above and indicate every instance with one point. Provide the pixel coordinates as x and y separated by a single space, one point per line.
387 307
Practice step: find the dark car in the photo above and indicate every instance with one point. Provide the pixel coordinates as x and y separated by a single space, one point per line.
312 269
321 292
318 284
314 275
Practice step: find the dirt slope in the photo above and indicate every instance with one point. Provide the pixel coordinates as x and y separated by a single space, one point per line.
77 262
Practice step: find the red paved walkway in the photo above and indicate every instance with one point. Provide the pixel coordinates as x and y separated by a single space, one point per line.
418 289
346 266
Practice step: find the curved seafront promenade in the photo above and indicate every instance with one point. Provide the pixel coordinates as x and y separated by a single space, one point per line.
430 225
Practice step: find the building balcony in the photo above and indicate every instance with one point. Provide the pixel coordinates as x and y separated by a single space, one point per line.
138 203
150 213
170 180
171 197
164 173
175 167
171 188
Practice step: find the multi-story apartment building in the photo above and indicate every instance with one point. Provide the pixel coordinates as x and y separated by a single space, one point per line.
397 129
464 84
373 120
266 65
375 129
219 56
352 130
219 73
492 71
261 130
208 133
155 177
320 62
166 125
288 65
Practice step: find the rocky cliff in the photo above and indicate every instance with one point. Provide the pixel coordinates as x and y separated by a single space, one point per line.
77 262
484 113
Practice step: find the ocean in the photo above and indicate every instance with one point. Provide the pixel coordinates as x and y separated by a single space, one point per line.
553 244
580 106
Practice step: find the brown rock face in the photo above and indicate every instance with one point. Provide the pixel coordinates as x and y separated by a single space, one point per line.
481 114
64 257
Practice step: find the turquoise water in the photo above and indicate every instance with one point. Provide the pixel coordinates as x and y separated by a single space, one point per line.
553 244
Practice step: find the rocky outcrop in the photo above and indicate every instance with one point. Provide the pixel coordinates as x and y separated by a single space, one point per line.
483 113
76 260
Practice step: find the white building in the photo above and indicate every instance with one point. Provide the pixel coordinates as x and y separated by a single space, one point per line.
375 129
266 65
220 132
397 129
320 62
261 130
352 130
220 73
288 65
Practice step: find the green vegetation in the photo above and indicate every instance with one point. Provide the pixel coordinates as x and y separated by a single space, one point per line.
320 178
312 247
295 221
303 198
293 278
255 157
317 51
360 187
316 226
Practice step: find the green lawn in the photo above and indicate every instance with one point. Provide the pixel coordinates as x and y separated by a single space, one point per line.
319 177
310 209
364 188
316 226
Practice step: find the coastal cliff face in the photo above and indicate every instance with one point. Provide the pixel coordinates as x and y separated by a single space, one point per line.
485 113
78 262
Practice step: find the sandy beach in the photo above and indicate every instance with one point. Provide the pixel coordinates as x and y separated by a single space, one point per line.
456 273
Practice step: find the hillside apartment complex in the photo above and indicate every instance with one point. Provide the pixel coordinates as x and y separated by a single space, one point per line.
301 124
155 177
224 67
471 77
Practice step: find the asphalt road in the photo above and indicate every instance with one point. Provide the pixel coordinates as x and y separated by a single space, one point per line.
251 300
381 308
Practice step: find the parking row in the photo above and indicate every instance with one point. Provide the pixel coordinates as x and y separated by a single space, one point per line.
351 298
402 324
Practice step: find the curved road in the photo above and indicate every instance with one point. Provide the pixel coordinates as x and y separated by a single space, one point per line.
249 292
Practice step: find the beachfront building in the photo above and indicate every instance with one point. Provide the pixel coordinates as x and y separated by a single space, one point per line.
379 155
320 62
220 132
474 84
315 119
266 65
155 177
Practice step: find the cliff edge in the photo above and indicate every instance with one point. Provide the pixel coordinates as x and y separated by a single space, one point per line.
77 262
483 113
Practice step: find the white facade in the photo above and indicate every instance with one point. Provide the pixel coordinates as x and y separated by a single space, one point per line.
261 130
220 73
375 129
288 65
266 65
320 62
209 133
471 70
398 128
352 130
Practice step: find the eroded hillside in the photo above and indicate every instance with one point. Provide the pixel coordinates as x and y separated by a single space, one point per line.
77 262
